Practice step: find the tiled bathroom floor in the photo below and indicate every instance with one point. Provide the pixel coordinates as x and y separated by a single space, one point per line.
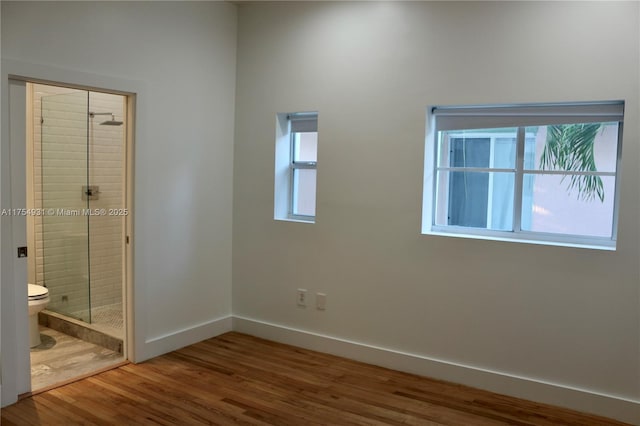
60 358
108 319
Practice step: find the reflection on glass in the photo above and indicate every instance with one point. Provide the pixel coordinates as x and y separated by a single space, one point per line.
482 148
548 207
573 147
475 199
64 239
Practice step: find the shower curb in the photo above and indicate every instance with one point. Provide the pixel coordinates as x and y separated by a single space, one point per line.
79 329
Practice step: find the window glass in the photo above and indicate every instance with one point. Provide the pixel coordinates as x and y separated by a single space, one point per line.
573 147
304 192
305 146
475 199
551 208
296 162
478 148
529 172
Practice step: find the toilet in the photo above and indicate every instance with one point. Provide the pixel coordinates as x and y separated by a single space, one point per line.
38 300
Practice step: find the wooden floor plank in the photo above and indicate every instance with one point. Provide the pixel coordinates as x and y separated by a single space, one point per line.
235 379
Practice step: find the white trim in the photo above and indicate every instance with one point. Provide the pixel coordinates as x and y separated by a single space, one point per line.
523 171
14 342
282 174
187 336
521 237
623 409
298 218
18 158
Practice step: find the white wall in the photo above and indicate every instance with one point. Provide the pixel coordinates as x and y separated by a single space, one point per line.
182 57
562 316
566 317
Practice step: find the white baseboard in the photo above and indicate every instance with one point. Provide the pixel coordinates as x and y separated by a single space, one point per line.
521 387
185 337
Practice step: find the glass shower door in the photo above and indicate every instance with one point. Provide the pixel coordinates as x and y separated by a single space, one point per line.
63 182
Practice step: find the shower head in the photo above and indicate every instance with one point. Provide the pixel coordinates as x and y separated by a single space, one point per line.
112 122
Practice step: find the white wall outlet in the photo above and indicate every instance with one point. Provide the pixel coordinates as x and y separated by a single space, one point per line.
302 297
321 301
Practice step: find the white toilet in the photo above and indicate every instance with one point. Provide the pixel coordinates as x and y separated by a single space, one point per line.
38 300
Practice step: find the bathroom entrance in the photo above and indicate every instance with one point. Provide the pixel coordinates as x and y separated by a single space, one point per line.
76 229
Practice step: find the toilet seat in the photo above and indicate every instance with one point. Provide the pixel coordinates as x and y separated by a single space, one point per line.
37 292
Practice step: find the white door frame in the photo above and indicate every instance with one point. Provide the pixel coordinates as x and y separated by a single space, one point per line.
14 333
15 319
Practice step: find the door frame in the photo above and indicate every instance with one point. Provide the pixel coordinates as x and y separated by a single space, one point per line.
14 348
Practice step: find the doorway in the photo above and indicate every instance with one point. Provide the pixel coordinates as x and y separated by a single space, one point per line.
77 185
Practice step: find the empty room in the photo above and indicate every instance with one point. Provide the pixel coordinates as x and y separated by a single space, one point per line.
320 212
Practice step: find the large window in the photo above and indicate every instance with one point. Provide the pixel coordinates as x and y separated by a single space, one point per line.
535 173
296 166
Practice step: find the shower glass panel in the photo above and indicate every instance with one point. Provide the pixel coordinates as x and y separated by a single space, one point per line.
65 225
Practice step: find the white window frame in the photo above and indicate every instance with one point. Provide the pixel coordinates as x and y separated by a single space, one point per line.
516 116
287 125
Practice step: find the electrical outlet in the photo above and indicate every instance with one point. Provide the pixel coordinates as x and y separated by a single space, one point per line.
321 301
302 297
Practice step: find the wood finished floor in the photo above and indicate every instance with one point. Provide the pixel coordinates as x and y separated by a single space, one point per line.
239 379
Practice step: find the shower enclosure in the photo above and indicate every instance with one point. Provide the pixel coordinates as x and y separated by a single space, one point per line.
79 193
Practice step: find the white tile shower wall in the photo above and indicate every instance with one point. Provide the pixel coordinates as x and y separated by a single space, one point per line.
70 256
106 232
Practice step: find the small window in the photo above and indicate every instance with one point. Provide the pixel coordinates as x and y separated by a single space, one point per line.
296 166
531 173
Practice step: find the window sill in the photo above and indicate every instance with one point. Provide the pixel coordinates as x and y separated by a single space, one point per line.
518 239
295 219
